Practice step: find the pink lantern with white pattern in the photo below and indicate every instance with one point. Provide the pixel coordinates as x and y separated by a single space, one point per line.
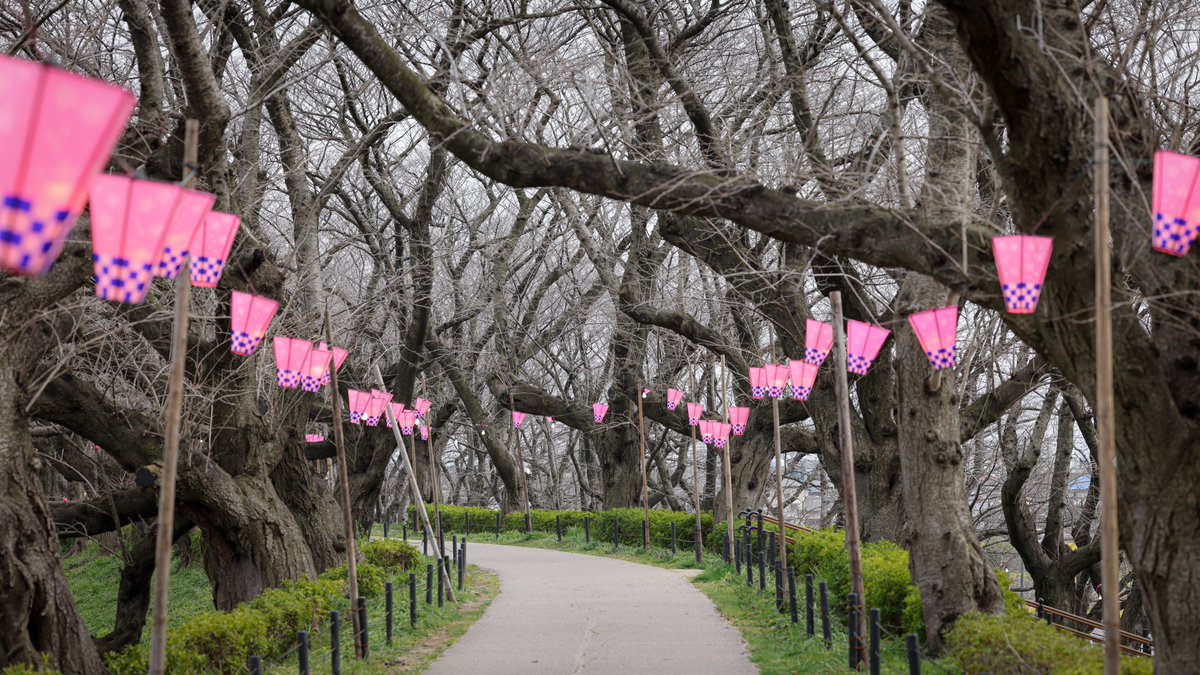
250 316
863 342
192 209
375 406
397 408
1176 202
706 431
425 432
312 373
129 221
674 397
358 403
818 340
518 418
1021 263
290 354
57 130
211 246
738 417
339 355
758 383
720 434
937 331
803 375
407 420
694 412
777 376
599 410
313 438
421 406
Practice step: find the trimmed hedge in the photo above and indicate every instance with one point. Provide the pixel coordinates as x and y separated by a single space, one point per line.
370 579
391 554
483 522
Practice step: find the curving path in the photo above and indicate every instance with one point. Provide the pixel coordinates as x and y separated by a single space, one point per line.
572 613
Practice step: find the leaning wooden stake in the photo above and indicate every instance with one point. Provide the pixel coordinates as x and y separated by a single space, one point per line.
645 486
339 442
846 440
435 481
1110 579
173 421
415 489
726 469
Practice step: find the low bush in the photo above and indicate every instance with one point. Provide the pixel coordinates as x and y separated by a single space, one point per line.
1016 643
392 555
370 579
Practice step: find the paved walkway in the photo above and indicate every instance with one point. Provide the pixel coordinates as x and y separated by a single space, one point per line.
572 613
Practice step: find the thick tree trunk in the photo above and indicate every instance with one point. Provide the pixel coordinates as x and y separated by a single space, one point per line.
618 451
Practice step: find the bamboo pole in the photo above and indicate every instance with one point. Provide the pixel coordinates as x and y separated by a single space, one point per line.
726 468
415 490
779 498
698 530
846 440
645 485
521 465
1110 562
339 442
174 421
435 482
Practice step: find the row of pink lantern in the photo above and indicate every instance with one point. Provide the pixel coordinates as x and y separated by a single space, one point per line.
298 363
370 406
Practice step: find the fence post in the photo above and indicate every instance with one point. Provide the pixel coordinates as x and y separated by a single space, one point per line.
748 547
466 524
497 524
429 584
808 604
424 542
406 531
528 523
454 549
441 590
255 665
914 654
362 622
302 651
762 565
412 599
779 583
874 653
826 629
791 583
771 550
616 532
760 531
558 527
852 629
674 546
335 644
737 555
462 563
389 619
587 530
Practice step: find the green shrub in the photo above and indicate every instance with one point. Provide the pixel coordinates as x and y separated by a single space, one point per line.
370 579
392 555
1016 643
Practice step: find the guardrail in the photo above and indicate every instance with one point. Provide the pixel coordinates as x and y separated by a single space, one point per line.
1141 646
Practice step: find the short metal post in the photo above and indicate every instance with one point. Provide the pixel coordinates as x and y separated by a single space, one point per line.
674 544
759 513
412 599
405 531
914 654
429 584
874 653
497 524
424 543
462 565
808 605
466 524
441 590
762 566
748 547
389 620
852 629
362 622
826 629
616 532
737 555
587 530
335 643
528 524
779 583
771 550
454 549
791 584
558 527
385 526
302 651
255 665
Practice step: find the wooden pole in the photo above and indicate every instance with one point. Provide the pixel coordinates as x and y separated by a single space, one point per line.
1110 562
520 464
698 530
645 485
415 489
339 442
726 468
173 421
846 440
778 462
435 482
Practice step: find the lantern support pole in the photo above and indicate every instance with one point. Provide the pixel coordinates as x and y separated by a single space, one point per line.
779 498
435 481
698 530
415 489
173 421
726 468
846 440
520 463
644 460
339 442
1105 413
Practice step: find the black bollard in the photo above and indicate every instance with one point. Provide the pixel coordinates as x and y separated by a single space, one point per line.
302 651
616 533
759 513
335 644
762 567
429 584
424 542
808 604
737 555
255 665
389 619
874 653
914 654
674 546
826 629
779 583
441 590
852 629
791 583
558 527
454 549
385 526
528 523
748 548
497 524
405 531
587 530
441 539
462 564
467 524
412 599
362 627
771 550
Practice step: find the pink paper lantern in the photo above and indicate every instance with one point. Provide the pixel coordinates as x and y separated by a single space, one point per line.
425 432
776 379
407 420
674 397
251 315
129 222
803 375
518 418
358 403
192 209
720 434
211 246
818 340
758 383
57 130
599 410
313 438
738 417
1176 202
375 405
421 406
312 373
706 431
290 354
1021 262
397 408
937 330
339 355
863 342
694 412
549 421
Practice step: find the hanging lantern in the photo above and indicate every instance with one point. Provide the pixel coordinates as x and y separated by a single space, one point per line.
518 419
818 340
406 420
694 410
421 406
599 410
192 209
375 406
57 130
1176 202
397 408
674 397
776 379
706 432
758 383
250 316
358 402
339 355
129 221
313 438
937 330
738 417
645 393
720 434
803 375
312 373
1021 262
425 432
290 354
211 246
549 421
863 342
